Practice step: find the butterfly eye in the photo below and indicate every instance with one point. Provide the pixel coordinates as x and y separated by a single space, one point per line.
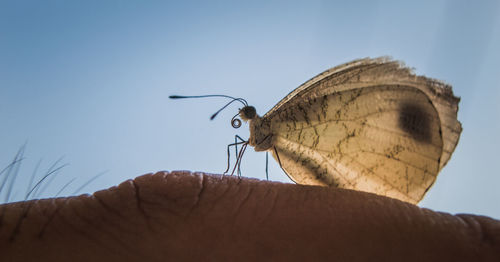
236 123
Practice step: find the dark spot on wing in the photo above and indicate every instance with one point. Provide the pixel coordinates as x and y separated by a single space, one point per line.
414 121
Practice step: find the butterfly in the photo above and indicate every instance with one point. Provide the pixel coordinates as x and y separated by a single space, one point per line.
369 125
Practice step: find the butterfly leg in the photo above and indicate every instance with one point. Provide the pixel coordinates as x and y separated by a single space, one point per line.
278 157
267 164
235 144
236 137
238 159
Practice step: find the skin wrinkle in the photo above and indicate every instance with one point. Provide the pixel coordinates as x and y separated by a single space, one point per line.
120 205
200 193
139 201
149 201
273 199
266 201
179 201
87 217
192 207
15 230
242 202
163 176
71 223
222 184
213 213
233 193
106 206
23 217
488 230
51 217
478 228
162 205
87 222
52 210
461 226
169 216
123 246
184 202
104 219
472 227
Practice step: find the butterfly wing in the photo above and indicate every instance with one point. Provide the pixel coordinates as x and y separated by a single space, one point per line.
368 125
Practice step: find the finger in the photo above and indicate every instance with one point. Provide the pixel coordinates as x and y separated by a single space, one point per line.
185 216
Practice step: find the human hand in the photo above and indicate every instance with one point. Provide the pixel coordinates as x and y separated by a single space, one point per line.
182 216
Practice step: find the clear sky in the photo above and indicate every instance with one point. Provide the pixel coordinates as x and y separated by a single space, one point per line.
89 81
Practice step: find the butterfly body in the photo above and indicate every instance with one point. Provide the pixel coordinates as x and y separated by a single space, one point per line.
368 125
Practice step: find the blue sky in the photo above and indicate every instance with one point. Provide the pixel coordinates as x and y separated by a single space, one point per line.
89 81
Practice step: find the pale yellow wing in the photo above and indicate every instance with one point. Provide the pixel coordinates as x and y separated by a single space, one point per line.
382 71
368 125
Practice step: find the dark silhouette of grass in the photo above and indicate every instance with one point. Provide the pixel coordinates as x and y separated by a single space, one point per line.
10 173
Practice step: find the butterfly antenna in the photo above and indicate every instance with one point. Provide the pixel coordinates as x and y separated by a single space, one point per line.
241 100
218 111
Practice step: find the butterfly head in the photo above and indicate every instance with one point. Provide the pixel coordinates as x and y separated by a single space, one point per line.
248 113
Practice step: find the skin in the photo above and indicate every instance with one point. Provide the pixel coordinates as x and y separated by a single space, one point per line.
182 216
